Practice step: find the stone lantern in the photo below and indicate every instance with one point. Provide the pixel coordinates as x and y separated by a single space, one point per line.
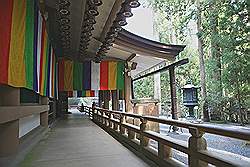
190 97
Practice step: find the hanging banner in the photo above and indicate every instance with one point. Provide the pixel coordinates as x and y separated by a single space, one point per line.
26 55
107 75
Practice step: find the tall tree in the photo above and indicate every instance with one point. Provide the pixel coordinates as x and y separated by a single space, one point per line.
202 64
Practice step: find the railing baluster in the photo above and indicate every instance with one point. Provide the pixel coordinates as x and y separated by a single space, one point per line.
143 139
102 118
115 124
197 146
196 143
164 152
110 122
122 120
131 134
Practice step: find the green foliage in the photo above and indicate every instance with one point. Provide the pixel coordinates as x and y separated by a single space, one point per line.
144 88
172 17
232 44
225 32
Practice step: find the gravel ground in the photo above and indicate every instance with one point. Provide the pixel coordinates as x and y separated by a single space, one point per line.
213 141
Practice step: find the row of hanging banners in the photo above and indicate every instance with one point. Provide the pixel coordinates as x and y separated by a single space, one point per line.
26 56
85 79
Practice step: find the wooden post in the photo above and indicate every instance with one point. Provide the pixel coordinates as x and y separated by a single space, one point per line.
164 151
106 104
196 143
122 120
44 118
132 90
110 122
143 140
115 100
100 99
173 93
103 119
131 134
128 105
106 99
115 105
157 90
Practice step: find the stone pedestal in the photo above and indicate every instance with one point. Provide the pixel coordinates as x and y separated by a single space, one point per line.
44 119
9 139
147 107
9 131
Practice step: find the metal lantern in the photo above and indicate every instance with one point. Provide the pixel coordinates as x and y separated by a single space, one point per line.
190 97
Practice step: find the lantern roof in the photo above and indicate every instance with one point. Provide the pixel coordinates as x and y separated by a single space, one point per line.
189 86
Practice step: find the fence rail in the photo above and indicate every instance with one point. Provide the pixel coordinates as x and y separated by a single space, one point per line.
138 137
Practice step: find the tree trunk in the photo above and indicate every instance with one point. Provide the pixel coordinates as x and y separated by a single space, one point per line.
216 58
202 66
239 103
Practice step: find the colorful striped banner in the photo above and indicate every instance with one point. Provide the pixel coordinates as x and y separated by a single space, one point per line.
16 68
120 81
77 76
86 93
107 75
68 75
95 76
87 75
26 56
104 66
5 38
112 75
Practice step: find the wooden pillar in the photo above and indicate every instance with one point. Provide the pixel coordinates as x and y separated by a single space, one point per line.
54 108
196 143
44 119
106 99
100 99
164 152
157 90
44 100
115 105
132 90
115 100
128 104
173 93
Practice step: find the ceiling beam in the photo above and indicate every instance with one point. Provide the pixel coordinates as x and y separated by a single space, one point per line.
173 65
116 8
131 57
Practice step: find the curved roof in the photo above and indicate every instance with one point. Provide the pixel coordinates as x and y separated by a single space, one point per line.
129 41
146 53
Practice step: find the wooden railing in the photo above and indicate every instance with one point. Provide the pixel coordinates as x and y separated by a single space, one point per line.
137 137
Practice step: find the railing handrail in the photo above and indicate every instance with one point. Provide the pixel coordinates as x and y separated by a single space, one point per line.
195 147
213 129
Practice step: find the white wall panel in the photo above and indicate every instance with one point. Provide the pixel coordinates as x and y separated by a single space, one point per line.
27 124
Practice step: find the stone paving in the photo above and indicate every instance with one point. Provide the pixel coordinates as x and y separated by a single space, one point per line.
78 142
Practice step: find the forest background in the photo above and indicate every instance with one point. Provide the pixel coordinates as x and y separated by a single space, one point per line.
221 62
